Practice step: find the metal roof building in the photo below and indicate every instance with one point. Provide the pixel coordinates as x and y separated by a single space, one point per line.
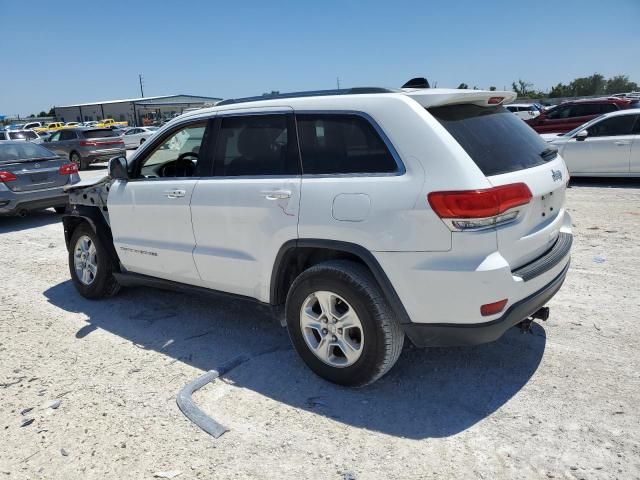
136 111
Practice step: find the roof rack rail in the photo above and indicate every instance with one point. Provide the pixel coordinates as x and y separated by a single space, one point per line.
313 93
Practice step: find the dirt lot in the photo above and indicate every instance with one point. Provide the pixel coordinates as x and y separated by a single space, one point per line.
561 403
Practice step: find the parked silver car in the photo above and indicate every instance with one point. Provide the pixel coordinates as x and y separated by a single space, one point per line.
23 135
33 177
84 146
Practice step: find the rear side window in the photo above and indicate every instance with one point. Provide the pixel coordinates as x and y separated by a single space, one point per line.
255 145
497 141
608 107
99 133
342 143
585 109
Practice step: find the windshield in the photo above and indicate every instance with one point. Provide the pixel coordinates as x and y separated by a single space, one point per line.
495 139
11 152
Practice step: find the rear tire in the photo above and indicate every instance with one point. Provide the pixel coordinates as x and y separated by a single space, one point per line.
90 264
78 160
142 140
370 341
61 210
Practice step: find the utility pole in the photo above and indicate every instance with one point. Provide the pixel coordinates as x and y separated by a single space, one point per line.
141 91
338 82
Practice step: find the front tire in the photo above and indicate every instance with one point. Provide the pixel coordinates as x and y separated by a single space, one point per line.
341 324
61 209
90 264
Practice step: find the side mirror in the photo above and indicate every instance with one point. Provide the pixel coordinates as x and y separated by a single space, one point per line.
118 168
582 135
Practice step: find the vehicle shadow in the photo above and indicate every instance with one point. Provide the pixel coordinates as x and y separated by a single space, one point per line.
435 392
606 182
34 219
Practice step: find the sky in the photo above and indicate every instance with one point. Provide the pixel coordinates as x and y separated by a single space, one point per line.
68 51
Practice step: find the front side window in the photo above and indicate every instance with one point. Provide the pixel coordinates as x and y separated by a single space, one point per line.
255 145
610 127
342 143
177 156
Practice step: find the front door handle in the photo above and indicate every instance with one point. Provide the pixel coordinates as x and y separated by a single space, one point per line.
276 194
175 193
623 142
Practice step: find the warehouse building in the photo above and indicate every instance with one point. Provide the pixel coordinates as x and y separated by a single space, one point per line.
135 111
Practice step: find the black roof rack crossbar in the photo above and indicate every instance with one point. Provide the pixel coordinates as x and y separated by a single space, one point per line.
314 93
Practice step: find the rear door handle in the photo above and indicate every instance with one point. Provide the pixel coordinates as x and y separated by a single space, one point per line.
175 193
276 194
623 142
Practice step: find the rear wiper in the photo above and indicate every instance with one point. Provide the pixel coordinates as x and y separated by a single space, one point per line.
549 153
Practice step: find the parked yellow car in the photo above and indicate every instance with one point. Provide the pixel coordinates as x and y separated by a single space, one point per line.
110 122
50 127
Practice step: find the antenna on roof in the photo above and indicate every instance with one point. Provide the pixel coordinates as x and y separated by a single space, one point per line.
418 82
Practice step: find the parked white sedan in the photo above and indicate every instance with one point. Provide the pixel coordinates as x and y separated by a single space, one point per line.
525 111
135 137
607 146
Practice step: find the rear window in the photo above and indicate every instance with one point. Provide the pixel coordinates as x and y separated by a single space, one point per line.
99 133
497 141
11 152
28 135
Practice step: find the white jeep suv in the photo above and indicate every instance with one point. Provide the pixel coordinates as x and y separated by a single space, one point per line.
361 216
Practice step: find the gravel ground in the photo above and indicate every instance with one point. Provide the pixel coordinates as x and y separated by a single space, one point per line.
87 388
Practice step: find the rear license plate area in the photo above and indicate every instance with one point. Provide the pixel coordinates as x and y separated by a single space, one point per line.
38 177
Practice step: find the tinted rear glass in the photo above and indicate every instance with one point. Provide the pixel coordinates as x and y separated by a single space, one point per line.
496 140
11 152
99 133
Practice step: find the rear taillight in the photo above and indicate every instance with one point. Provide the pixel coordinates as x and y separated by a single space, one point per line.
476 209
91 143
7 176
68 169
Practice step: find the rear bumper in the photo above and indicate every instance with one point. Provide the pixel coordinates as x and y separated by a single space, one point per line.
455 334
11 205
102 156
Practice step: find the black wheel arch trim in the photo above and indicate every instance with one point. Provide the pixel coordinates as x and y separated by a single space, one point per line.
94 218
289 248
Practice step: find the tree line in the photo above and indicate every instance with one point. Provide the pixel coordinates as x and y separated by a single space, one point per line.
595 84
